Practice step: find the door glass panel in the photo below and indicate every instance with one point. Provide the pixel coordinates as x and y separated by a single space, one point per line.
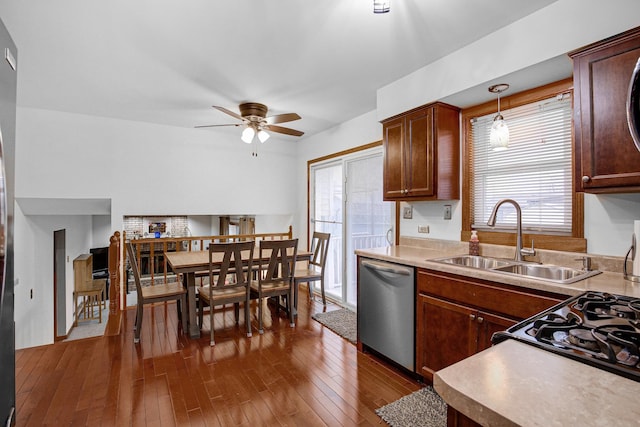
368 217
362 216
328 219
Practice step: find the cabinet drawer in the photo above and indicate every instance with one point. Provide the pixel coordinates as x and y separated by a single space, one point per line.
518 303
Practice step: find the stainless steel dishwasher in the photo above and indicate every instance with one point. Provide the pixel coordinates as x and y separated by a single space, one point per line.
386 310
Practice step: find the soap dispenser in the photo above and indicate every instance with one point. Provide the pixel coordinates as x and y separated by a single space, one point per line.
474 244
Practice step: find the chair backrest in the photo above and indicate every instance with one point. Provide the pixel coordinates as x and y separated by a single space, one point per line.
133 262
237 260
282 259
319 249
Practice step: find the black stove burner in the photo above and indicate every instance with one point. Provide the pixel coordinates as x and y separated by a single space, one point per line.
583 338
597 328
598 306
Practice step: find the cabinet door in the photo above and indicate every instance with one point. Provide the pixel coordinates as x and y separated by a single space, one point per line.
394 167
419 155
488 324
445 334
606 156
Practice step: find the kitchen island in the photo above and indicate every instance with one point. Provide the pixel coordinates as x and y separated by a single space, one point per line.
513 383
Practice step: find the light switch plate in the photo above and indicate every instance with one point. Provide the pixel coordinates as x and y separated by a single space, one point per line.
447 211
407 212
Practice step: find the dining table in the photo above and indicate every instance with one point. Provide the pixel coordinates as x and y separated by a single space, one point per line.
192 263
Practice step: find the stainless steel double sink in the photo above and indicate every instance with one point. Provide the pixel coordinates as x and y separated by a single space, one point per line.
547 272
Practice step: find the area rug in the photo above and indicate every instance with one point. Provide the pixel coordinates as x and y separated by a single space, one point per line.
423 408
343 322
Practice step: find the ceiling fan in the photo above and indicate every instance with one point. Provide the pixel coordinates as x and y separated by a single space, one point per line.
254 117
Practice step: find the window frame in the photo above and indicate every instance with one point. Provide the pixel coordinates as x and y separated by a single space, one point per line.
575 242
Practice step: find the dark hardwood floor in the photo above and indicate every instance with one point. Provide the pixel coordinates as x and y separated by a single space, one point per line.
302 376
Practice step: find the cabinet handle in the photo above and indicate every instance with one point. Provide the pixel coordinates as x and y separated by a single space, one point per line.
480 319
472 317
586 179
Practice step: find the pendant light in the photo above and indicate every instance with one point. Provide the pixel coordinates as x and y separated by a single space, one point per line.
380 6
499 136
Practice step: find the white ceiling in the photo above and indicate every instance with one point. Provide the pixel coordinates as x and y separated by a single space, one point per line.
167 62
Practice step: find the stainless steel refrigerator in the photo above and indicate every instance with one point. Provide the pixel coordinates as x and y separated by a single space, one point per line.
8 79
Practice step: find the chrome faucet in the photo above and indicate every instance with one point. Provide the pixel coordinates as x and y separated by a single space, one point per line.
520 251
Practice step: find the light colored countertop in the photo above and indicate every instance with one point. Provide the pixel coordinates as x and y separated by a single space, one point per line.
513 383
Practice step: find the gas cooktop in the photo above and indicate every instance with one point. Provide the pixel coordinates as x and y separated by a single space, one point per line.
596 328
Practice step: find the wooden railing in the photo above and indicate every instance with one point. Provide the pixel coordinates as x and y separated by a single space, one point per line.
114 273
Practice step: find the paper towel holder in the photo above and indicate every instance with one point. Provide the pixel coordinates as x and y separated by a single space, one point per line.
632 251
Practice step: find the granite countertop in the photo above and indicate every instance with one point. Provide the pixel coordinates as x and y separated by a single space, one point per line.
513 383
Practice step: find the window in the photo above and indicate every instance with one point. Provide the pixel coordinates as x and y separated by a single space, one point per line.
536 170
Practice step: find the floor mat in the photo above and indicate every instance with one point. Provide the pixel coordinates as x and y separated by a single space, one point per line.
423 408
343 322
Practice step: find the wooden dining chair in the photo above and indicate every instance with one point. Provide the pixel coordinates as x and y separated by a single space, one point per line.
230 267
275 275
155 293
315 269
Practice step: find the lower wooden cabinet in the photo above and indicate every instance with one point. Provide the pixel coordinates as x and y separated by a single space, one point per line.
448 332
456 316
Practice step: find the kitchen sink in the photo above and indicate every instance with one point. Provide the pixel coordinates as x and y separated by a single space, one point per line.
475 261
547 272
552 273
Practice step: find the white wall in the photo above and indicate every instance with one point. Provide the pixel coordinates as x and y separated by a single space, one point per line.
100 230
34 271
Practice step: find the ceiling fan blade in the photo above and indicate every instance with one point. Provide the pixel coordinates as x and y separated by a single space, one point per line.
282 118
229 112
284 130
213 126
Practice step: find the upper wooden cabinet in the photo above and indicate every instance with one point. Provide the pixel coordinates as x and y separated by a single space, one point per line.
421 154
606 159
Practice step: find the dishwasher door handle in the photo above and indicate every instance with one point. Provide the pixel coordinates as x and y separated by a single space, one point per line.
387 268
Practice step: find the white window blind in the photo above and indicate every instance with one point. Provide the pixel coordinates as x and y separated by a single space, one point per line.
535 170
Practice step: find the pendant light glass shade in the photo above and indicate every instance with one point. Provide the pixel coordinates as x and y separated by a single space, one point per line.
381 6
262 135
499 136
248 134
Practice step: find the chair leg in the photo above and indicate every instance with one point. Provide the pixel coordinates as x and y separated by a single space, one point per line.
247 315
260 330
200 308
139 311
324 300
236 311
290 300
212 342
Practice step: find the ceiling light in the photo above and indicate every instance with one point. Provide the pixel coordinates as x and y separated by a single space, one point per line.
381 6
248 134
499 136
262 135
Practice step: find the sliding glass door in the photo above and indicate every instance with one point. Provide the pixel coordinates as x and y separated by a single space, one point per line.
346 201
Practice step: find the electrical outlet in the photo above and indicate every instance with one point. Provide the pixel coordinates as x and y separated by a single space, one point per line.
447 211
407 212
423 229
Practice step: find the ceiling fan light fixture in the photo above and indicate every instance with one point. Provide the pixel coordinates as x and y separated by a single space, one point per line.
381 6
262 135
248 134
499 136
